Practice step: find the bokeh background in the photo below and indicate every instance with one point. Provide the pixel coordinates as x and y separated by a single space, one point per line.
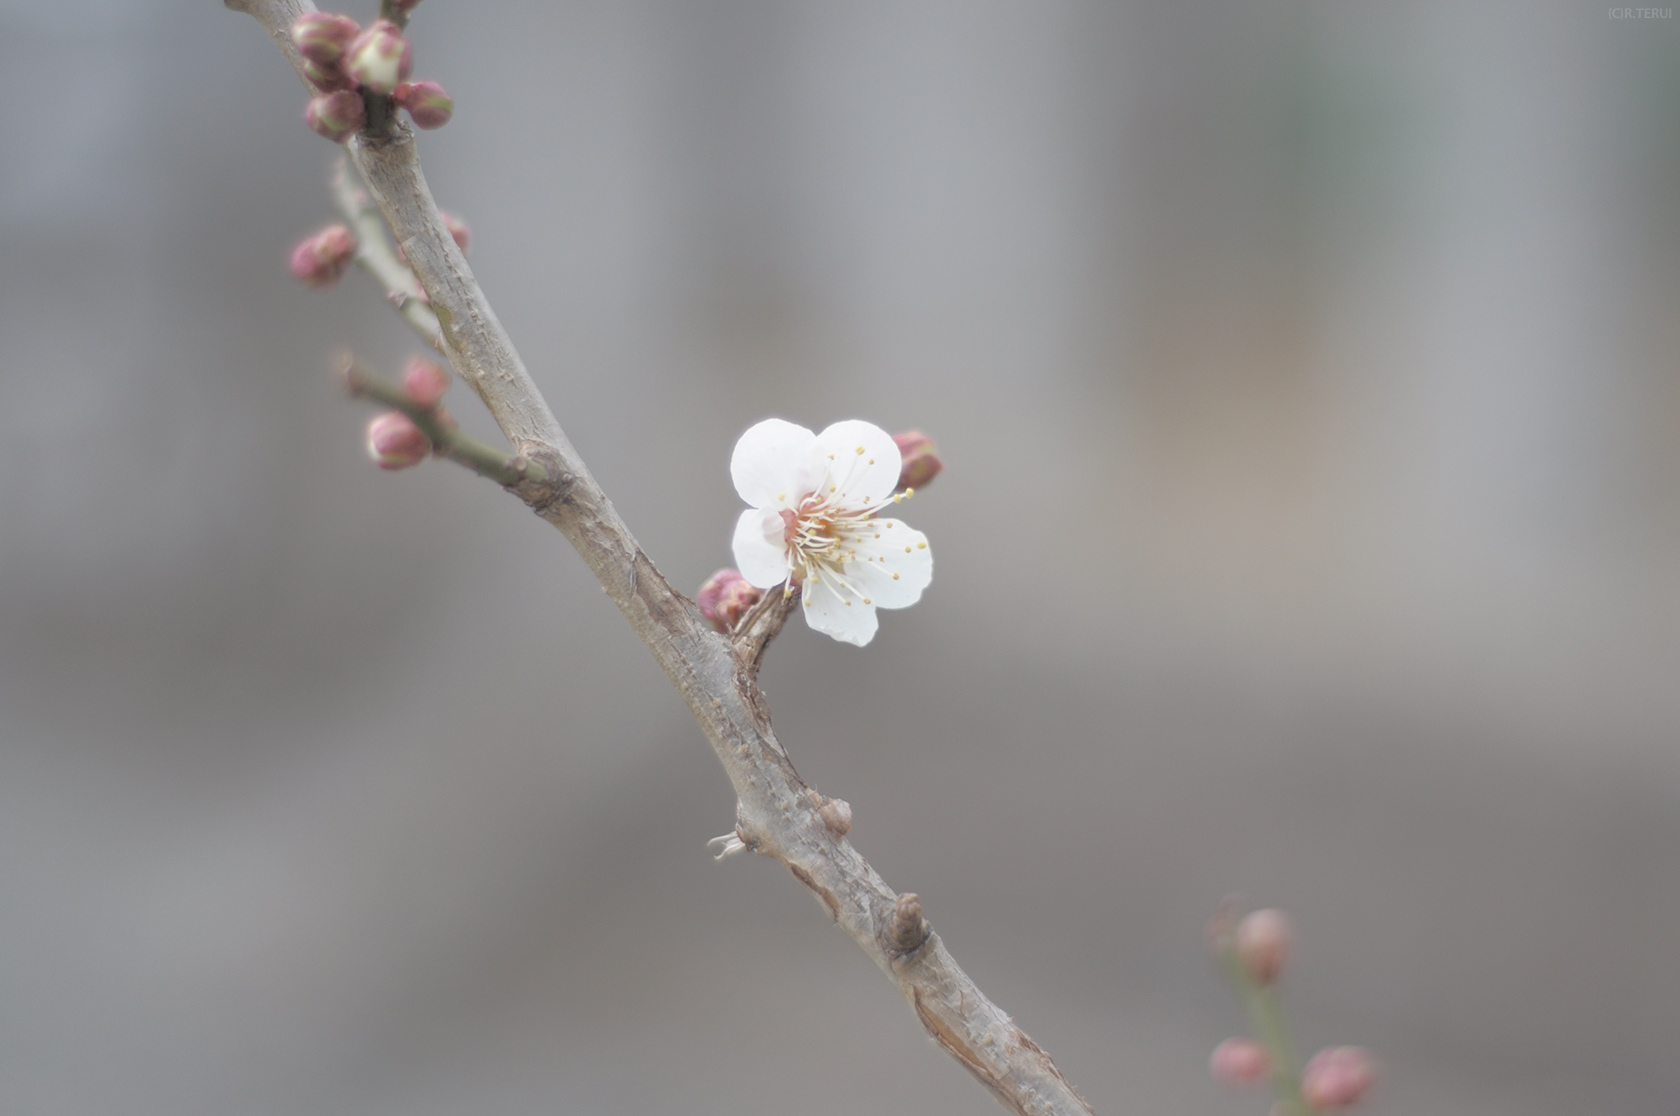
1306 377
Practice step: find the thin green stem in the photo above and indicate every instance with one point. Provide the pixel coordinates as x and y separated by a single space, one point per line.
1266 1014
446 438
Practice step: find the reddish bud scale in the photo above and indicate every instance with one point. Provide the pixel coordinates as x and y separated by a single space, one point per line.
1239 1061
320 260
425 382
725 598
427 103
1337 1077
1262 944
394 442
337 116
323 38
919 457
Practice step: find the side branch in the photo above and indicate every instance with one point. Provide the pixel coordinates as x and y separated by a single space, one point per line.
778 815
375 256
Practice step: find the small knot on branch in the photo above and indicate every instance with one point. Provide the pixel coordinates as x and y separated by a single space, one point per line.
909 929
543 482
836 814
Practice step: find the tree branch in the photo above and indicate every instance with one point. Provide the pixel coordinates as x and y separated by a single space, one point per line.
778 815
375 256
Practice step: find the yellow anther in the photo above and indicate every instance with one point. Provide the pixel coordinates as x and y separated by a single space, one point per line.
781 495
921 546
909 492
907 550
866 600
860 451
848 604
895 577
831 487
872 461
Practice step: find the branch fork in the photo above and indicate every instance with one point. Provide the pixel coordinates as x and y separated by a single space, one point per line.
778 815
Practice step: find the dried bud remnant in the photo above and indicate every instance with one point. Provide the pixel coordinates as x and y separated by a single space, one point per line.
380 58
836 814
1262 945
1239 1061
1337 1077
909 928
427 103
320 260
725 598
919 459
323 38
394 442
337 116
425 382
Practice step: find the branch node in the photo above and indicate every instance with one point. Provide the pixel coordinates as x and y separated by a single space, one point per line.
909 930
836 814
543 482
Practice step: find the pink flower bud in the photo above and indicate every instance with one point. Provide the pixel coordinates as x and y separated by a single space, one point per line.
380 58
1262 944
323 38
328 77
921 462
725 598
1337 1077
394 442
426 102
320 260
425 382
1239 1061
336 115
458 230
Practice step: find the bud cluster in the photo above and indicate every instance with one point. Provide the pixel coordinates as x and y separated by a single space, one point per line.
1255 950
395 440
347 64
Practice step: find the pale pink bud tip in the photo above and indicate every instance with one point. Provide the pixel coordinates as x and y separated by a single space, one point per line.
320 260
425 382
920 459
725 598
458 230
380 58
1239 1062
336 115
394 442
323 38
1262 944
1337 1077
427 103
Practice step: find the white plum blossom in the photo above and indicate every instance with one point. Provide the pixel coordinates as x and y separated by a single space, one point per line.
813 523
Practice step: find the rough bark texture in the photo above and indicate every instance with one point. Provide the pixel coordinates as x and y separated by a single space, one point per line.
778 815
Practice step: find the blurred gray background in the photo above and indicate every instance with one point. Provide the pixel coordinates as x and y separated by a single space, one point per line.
1306 377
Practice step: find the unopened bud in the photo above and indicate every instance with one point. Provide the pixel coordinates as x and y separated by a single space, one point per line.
320 260
328 77
1239 1061
380 58
394 442
425 382
336 115
427 103
1337 1077
1262 944
323 38
725 598
909 929
920 460
458 231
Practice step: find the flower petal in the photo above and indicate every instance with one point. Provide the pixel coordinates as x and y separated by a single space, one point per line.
760 553
863 462
775 462
882 548
827 611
